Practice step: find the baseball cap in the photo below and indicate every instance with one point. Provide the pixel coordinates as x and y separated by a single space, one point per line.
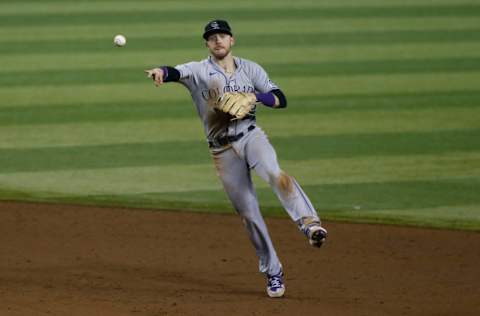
217 26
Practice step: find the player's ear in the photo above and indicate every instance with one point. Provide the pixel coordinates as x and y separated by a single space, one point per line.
232 40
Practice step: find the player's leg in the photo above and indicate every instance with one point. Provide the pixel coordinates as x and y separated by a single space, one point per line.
236 179
261 156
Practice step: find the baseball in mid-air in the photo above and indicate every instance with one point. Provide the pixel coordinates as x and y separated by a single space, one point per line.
119 40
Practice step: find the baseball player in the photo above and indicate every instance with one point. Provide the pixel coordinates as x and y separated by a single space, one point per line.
226 90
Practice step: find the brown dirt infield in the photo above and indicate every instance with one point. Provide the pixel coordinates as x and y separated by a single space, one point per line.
74 260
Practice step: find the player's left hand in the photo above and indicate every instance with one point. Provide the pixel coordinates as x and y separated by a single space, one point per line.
237 104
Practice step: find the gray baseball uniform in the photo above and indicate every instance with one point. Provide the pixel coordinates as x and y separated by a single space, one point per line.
247 148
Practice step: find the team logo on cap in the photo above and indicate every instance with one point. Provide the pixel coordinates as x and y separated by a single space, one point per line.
215 25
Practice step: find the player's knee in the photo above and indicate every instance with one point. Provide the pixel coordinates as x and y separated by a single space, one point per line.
271 174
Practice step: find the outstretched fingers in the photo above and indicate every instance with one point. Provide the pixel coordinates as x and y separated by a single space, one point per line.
156 75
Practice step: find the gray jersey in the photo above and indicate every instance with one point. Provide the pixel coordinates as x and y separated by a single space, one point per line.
206 81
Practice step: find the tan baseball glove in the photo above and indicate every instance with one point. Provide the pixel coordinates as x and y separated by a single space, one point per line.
237 104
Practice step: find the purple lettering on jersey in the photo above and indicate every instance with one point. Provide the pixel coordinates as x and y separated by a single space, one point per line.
215 93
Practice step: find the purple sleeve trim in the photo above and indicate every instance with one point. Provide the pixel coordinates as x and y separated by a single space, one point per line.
165 72
267 99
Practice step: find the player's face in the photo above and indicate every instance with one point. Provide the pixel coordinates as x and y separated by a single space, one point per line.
220 44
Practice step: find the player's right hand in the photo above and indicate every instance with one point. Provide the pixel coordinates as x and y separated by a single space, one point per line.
156 74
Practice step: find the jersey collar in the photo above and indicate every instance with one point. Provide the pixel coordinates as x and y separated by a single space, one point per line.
236 60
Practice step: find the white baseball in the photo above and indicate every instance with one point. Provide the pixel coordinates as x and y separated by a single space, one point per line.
119 40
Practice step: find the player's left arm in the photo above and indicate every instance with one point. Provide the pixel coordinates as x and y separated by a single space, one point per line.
267 92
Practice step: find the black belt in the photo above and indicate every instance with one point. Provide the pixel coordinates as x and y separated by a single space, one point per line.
222 141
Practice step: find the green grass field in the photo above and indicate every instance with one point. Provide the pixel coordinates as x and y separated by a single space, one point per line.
383 123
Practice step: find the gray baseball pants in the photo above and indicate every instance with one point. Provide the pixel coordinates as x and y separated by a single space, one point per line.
234 165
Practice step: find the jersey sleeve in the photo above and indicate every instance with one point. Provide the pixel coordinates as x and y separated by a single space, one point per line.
188 74
261 81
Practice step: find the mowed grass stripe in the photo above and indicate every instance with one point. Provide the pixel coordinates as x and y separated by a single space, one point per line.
158 128
194 152
370 122
311 69
378 144
69 7
118 111
138 93
65 6
398 195
261 40
387 101
265 14
67 131
39 114
124 58
449 217
377 169
240 27
103 133
92 94
125 180
368 196
200 177
101 112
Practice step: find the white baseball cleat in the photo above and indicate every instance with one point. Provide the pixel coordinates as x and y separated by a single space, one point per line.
316 234
275 286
